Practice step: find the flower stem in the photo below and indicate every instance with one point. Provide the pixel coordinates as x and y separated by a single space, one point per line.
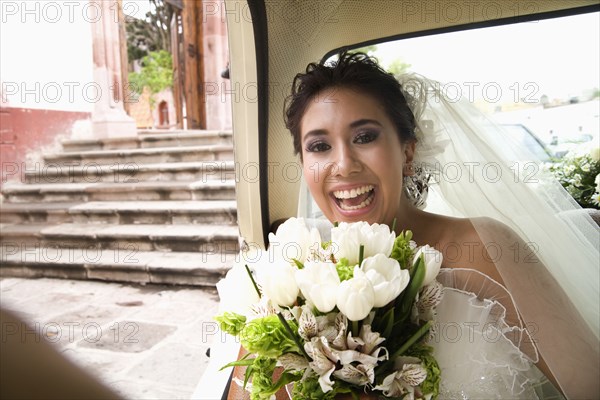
394 226
355 331
412 340
361 254
293 336
253 281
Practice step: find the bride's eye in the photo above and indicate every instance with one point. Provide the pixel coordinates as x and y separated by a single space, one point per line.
317 147
366 137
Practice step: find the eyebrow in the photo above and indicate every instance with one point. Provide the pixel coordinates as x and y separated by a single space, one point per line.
355 124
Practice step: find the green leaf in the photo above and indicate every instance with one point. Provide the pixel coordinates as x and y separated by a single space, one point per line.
299 265
238 363
410 293
388 323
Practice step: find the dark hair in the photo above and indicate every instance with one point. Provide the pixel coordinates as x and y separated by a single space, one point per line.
351 70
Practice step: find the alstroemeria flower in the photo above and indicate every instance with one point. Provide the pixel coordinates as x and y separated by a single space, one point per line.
386 276
279 283
356 297
323 361
318 282
348 237
433 262
307 324
430 297
293 240
236 291
361 374
408 374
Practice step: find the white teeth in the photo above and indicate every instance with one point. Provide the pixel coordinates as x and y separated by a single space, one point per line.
350 194
361 205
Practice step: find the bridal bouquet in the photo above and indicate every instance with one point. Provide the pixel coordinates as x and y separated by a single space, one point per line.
348 315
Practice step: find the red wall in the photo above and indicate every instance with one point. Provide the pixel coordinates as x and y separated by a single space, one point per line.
24 129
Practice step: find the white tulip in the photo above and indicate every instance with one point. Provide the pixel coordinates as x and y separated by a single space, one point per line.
347 238
355 296
279 283
318 282
293 240
346 241
386 276
236 291
377 239
433 262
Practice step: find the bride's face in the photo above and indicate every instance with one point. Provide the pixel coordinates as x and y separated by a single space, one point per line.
352 157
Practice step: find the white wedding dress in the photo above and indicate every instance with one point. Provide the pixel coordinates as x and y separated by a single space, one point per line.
480 353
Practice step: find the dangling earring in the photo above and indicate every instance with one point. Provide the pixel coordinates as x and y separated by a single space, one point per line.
416 186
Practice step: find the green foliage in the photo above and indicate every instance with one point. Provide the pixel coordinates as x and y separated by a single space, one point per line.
309 389
156 73
398 67
401 251
263 385
425 354
268 337
231 322
580 177
262 372
370 50
150 34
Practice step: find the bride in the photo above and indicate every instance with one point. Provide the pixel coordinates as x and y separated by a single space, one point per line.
521 260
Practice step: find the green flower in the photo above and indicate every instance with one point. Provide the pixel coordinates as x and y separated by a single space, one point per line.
309 389
231 322
344 270
431 384
402 251
268 337
262 378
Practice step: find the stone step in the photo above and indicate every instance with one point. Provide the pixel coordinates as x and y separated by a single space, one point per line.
214 239
26 213
151 139
178 268
156 212
130 172
140 156
141 191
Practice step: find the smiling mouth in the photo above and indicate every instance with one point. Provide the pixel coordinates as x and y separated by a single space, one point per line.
354 199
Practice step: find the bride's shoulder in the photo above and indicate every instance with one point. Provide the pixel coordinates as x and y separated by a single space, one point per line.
471 242
467 230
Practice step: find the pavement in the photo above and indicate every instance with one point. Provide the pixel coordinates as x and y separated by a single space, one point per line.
145 342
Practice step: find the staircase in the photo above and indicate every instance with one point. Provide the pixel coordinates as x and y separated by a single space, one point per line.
155 208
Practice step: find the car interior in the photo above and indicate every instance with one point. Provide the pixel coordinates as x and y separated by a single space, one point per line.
271 41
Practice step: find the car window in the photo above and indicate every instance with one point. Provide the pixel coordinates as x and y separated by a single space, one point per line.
527 139
539 76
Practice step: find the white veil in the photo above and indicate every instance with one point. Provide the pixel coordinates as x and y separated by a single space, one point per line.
553 273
